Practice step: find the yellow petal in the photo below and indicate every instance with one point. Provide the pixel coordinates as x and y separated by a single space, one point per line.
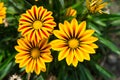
89 40
79 55
75 62
87 34
64 30
68 28
69 58
1 5
101 6
26 17
88 3
43 43
22 55
33 12
74 25
62 54
93 45
43 69
24 62
58 44
43 14
41 63
1 21
37 69
81 28
87 48
29 66
45 33
86 56
46 57
22 43
21 49
60 35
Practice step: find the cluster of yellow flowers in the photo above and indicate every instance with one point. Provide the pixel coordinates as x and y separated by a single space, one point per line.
74 42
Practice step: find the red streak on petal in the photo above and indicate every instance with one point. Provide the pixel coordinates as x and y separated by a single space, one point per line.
73 30
24 20
30 13
27 17
34 9
48 27
39 13
31 35
44 33
23 27
36 39
39 34
46 47
72 12
48 19
49 32
51 23
47 14
42 13
26 31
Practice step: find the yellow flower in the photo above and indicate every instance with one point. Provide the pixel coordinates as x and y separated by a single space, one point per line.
71 12
33 55
36 23
36 0
74 42
2 12
95 5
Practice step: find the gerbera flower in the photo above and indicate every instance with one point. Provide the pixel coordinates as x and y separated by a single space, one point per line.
74 42
36 23
2 12
71 12
33 55
95 5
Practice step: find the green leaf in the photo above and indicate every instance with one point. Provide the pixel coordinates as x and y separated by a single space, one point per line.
115 23
84 73
19 4
101 71
6 70
40 78
106 17
92 26
5 63
109 44
62 3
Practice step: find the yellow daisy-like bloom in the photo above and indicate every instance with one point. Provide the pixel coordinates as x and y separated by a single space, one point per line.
74 43
2 12
71 12
33 55
36 23
95 5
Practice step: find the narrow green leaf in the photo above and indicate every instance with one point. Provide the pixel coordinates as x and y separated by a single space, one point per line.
5 63
62 3
85 74
92 26
40 78
109 44
101 71
115 22
5 71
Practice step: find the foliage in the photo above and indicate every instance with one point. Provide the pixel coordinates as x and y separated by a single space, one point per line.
103 24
